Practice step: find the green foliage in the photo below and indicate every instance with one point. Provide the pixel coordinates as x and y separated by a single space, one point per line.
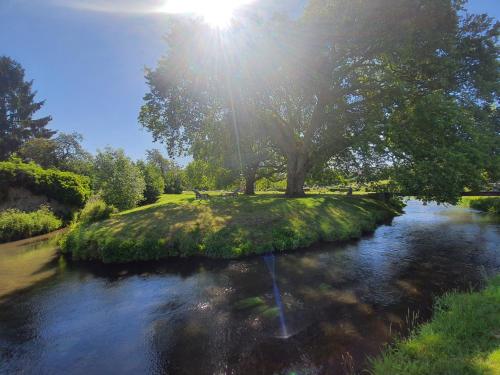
170 171
485 204
119 181
16 224
41 151
178 225
18 106
437 149
173 181
95 210
63 152
269 184
461 338
411 85
155 185
65 187
206 176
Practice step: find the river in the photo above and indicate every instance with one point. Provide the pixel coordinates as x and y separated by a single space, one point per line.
340 303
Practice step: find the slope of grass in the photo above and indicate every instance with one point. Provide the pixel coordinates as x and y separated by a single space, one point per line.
179 225
462 338
485 204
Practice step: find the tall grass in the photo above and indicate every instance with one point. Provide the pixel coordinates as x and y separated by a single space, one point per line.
462 338
16 224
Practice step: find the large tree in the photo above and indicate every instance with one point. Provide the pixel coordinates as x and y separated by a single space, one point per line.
344 77
17 109
195 105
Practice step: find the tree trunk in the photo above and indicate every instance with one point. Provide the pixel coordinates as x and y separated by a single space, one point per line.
250 178
296 175
250 184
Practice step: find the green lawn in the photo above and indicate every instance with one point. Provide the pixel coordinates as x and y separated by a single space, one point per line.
462 338
179 225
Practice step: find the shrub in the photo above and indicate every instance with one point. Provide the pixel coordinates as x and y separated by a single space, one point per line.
173 182
16 224
65 187
491 204
118 179
95 210
154 182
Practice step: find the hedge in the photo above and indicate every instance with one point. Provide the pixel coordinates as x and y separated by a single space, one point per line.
65 187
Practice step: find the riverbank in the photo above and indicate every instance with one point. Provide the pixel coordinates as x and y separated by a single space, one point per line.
485 204
179 225
462 338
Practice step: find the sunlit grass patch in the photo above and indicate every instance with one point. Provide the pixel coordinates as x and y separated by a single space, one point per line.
224 227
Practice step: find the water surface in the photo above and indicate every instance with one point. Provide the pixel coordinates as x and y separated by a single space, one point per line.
340 303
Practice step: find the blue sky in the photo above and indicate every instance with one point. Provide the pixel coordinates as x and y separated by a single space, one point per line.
88 65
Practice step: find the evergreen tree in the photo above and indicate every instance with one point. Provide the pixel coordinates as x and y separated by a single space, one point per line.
17 108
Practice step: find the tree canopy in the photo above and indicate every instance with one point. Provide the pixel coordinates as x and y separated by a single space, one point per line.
403 82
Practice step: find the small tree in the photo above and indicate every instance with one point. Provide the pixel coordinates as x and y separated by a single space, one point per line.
170 171
154 182
63 152
42 151
17 108
119 180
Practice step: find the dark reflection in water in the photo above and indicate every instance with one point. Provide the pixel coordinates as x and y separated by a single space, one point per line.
341 303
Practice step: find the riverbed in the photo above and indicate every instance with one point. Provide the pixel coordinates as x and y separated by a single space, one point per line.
322 310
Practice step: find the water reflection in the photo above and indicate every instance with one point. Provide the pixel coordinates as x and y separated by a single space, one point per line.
341 303
270 261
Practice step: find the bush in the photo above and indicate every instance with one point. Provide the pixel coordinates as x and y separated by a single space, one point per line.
268 184
65 187
95 210
173 182
16 224
118 179
154 182
491 204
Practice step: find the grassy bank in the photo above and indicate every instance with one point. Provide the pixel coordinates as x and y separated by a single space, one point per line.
16 225
485 204
462 338
178 225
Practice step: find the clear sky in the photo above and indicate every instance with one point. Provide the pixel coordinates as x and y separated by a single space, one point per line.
88 64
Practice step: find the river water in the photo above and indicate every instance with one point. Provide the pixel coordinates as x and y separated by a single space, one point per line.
339 303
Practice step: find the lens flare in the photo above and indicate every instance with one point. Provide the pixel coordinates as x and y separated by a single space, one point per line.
216 13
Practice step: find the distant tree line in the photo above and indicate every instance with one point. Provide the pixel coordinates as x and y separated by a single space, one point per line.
120 181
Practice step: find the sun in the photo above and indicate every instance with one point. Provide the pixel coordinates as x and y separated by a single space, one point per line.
217 13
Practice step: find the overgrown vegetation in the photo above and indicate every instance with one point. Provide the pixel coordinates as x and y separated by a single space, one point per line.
462 338
16 224
65 187
178 225
486 204
95 210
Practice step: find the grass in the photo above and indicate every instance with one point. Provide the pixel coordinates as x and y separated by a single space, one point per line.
179 225
462 338
486 204
16 224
